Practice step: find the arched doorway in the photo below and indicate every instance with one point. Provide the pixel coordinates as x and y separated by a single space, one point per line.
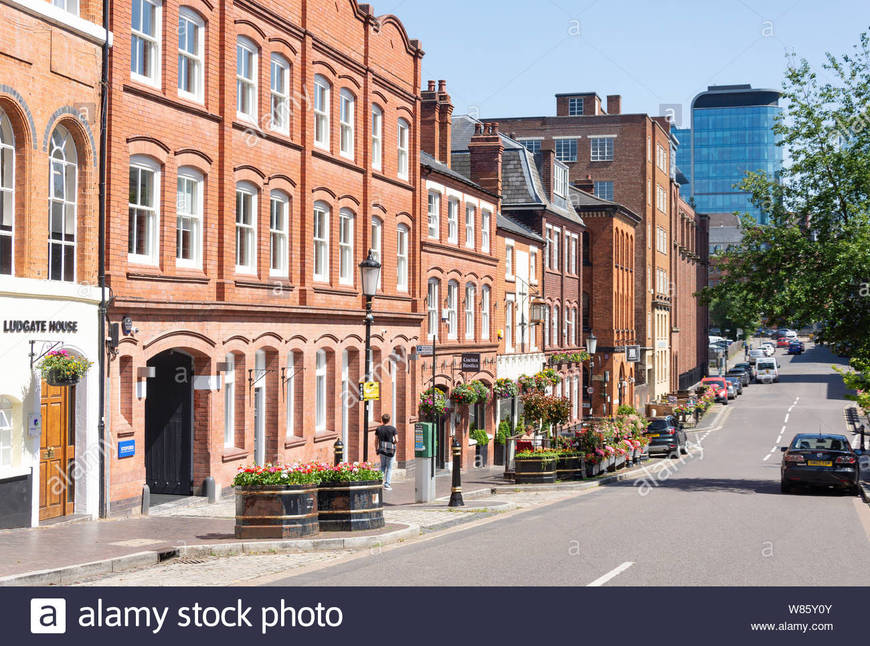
169 424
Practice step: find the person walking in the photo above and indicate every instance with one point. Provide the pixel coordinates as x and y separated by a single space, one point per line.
387 436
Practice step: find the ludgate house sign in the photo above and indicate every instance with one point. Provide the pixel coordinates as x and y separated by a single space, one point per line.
28 326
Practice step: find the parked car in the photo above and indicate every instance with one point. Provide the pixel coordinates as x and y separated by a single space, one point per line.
790 334
768 348
748 367
767 370
735 381
741 373
666 435
819 460
795 347
782 342
720 388
756 354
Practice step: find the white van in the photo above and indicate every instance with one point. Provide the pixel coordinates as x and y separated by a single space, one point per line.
766 370
712 340
791 334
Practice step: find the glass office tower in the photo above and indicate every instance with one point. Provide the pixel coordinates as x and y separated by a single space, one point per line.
731 134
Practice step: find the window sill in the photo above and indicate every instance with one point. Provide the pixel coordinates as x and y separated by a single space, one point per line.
294 443
191 98
232 454
325 436
8 473
144 80
145 261
335 291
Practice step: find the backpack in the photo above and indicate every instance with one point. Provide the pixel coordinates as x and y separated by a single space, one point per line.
387 449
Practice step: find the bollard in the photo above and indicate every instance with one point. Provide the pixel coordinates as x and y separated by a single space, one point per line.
456 490
146 499
210 491
861 430
338 447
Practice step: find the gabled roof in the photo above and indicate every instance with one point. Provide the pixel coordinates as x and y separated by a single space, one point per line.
429 161
511 225
522 186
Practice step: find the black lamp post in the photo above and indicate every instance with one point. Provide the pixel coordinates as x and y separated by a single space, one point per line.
370 273
591 347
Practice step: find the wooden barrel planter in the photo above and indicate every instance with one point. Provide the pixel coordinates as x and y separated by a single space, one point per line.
569 467
276 512
350 506
534 470
592 469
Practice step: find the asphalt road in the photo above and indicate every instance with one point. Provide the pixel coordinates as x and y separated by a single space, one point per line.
716 517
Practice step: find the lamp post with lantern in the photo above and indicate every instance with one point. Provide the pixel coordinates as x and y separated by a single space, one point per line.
370 273
591 347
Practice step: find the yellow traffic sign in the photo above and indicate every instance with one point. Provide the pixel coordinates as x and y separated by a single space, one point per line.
371 390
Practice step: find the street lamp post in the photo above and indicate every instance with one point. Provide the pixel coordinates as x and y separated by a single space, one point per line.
370 273
591 347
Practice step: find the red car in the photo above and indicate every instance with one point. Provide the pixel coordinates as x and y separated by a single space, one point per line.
720 387
782 342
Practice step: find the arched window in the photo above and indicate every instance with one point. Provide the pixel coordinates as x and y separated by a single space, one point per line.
555 321
279 93
402 144
246 79
62 192
279 225
402 258
322 91
432 305
347 120
377 137
345 247
376 243
7 196
320 391
188 248
191 47
470 296
321 241
484 312
246 228
144 211
229 400
452 298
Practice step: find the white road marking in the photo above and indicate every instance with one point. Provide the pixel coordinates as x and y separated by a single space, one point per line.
782 431
785 421
614 572
767 457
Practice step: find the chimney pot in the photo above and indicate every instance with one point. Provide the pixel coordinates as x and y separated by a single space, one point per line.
442 86
431 86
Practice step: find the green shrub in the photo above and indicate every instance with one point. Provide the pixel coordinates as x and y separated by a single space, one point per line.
480 436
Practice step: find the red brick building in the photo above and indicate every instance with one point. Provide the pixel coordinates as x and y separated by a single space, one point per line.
628 158
608 299
534 189
458 267
257 153
49 195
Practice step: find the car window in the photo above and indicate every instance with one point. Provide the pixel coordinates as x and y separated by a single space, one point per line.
824 443
658 425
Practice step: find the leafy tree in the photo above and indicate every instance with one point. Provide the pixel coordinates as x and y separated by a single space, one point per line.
811 264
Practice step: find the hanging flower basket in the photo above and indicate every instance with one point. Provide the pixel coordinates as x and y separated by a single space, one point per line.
480 389
60 368
433 403
464 394
505 389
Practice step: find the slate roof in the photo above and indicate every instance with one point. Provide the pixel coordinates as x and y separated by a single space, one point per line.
429 161
507 223
587 201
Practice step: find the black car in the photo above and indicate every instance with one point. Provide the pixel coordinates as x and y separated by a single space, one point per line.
819 460
740 372
737 381
748 367
666 435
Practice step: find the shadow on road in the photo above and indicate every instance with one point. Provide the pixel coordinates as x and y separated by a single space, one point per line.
732 485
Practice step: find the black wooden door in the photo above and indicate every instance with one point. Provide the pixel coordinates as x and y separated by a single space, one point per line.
168 425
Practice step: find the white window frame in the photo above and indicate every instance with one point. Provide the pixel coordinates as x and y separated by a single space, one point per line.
470 298
470 217
533 265
560 179
193 214
320 240
152 41
433 289
7 185
485 298
321 391
532 144
453 220
546 327
554 319
573 110
452 299
509 259
547 244
70 6
377 243
509 322
554 251
279 237
601 148
347 121
574 267
566 254
569 155
403 134
661 198
434 214
290 397
279 100
377 137
246 232
603 189
322 111
245 46
152 255
345 246
229 385
485 224
195 59
403 234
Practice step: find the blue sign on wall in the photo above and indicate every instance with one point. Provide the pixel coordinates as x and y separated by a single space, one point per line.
127 449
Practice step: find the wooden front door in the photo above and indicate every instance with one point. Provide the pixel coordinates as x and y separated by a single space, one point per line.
57 452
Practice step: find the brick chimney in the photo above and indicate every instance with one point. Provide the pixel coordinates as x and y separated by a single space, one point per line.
614 104
486 149
585 185
429 121
445 127
547 164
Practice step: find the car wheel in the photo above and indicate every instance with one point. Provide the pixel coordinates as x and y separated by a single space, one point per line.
684 449
784 487
674 455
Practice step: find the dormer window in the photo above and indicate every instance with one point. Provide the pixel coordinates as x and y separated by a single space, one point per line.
560 180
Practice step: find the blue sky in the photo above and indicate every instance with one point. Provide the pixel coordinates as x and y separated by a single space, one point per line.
509 58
